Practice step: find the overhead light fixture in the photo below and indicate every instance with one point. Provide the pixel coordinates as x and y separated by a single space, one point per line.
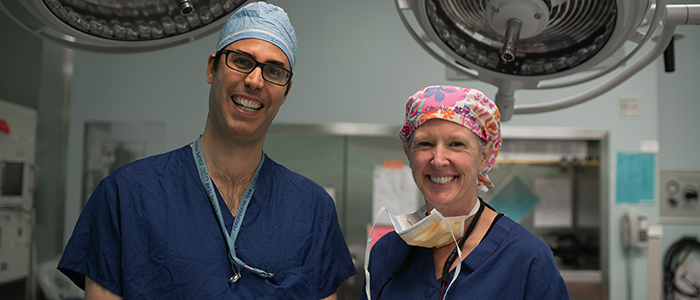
518 44
120 26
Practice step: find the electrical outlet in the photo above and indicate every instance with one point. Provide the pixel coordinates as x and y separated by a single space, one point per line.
679 196
630 107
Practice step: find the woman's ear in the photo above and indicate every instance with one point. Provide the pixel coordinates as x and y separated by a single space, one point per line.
408 155
485 156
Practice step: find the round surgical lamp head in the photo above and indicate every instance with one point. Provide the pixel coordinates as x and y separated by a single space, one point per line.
120 26
515 44
554 36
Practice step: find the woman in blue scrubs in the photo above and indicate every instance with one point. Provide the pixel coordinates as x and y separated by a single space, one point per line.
451 137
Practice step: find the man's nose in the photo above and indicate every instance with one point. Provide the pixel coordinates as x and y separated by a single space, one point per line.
254 79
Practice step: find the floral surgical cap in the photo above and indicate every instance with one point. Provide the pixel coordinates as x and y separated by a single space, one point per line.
467 107
262 21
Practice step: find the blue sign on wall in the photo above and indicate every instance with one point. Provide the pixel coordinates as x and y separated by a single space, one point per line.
635 178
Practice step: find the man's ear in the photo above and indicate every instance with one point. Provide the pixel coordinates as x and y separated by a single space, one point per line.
210 69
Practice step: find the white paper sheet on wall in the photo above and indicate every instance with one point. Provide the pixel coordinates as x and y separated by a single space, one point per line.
554 209
394 189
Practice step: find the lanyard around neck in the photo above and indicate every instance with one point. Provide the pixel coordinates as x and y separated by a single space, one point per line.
238 219
453 255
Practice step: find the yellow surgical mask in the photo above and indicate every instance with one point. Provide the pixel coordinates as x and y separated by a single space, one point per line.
430 231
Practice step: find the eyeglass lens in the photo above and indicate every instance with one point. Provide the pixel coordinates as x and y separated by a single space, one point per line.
246 64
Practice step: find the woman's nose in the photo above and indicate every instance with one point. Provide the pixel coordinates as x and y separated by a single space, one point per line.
440 157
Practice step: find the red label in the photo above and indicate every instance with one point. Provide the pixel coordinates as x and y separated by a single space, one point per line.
4 127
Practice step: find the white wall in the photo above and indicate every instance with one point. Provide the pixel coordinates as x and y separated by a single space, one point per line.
356 63
679 104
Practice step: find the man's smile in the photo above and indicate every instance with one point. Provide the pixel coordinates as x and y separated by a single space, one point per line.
246 105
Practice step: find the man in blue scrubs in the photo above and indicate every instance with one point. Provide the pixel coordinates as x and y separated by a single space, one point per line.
217 219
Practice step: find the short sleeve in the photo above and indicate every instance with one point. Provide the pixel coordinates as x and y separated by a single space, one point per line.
544 279
336 261
554 290
94 249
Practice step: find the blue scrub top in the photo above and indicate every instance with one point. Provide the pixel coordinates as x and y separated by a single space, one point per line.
150 232
509 263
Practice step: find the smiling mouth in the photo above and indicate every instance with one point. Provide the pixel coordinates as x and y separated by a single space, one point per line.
441 180
247 106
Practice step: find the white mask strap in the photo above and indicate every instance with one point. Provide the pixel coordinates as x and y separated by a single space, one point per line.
459 253
368 248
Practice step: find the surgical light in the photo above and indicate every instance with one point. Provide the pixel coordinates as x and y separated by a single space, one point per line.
519 44
120 26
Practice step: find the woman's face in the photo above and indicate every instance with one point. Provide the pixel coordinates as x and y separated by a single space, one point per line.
445 160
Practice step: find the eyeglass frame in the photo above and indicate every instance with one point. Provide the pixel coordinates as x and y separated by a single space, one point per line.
257 63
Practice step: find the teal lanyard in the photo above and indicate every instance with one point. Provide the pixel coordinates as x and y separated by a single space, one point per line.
236 263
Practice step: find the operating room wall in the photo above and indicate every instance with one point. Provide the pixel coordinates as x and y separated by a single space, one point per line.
357 63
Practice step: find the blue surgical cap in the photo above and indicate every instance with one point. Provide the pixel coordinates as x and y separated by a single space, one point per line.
261 21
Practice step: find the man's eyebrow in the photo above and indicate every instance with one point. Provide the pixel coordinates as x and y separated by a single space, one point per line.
276 62
271 62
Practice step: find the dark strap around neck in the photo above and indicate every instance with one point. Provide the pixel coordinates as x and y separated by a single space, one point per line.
451 259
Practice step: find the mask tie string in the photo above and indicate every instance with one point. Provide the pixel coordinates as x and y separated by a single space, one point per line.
476 211
367 249
459 253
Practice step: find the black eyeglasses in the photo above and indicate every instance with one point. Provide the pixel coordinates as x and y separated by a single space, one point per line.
243 63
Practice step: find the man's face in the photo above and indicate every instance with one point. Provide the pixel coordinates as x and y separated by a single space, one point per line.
242 106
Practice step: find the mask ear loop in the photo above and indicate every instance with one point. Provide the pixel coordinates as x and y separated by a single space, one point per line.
398 270
367 249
